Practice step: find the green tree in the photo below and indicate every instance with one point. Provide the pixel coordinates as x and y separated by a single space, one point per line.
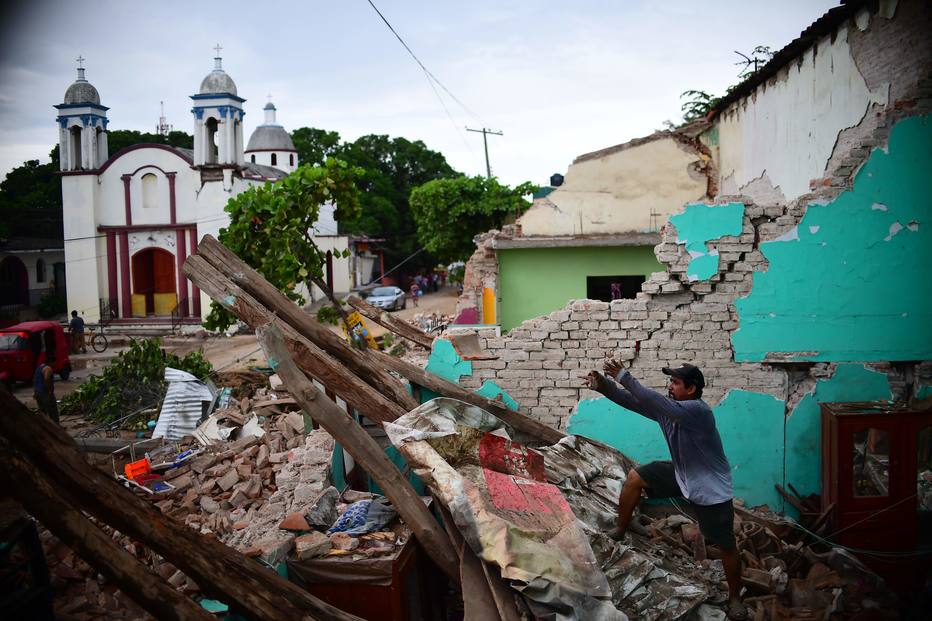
314 145
393 167
270 227
450 212
697 105
121 138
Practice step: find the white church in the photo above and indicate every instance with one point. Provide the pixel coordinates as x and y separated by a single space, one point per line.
132 218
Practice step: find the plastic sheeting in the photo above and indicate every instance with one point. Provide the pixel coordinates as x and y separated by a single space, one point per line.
506 512
181 408
540 515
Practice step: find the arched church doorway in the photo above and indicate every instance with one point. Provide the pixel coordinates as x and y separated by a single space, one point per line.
153 283
14 282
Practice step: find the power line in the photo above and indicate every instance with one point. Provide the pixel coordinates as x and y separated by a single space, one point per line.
431 80
426 70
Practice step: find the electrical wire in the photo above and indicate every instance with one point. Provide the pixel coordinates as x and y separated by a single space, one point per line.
432 80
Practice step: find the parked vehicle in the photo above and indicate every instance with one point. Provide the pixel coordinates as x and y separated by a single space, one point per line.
24 346
389 298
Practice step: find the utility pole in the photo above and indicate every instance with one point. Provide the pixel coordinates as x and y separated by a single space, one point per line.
485 142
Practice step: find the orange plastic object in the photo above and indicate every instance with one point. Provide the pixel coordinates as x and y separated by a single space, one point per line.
137 468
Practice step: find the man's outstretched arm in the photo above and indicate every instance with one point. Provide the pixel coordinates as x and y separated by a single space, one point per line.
610 390
651 400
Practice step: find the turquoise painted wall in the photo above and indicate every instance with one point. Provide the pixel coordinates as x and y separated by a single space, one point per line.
538 281
700 224
851 283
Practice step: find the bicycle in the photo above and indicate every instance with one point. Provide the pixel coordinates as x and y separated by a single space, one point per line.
99 340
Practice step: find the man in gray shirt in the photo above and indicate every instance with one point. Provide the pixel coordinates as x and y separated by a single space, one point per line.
699 470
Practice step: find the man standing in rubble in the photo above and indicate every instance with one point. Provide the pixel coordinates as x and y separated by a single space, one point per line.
699 470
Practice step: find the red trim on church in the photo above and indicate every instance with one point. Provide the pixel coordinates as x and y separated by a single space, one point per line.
127 303
127 206
180 256
112 272
171 197
136 228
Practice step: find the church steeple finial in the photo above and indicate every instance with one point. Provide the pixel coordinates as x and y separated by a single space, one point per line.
218 60
80 60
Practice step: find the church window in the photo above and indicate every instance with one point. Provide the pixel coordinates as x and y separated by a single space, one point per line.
40 270
275 159
211 126
76 148
150 197
291 159
252 158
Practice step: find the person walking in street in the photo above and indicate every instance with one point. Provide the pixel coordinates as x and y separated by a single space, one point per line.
699 470
43 386
415 292
76 327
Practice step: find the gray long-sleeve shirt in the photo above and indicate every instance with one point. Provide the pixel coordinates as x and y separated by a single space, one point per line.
702 470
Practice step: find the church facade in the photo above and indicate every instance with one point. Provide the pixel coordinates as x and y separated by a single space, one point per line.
131 219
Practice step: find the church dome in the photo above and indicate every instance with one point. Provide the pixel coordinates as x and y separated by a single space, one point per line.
270 136
217 81
82 91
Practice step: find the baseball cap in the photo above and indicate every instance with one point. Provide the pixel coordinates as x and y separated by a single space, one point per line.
688 373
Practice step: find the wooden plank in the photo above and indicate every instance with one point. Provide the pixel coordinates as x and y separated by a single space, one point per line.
313 360
21 479
520 420
221 572
363 448
360 362
390 322
253 283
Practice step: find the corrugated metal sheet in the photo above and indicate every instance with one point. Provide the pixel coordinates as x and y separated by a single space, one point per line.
181 409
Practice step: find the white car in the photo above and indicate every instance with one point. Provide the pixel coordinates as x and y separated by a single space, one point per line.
389 298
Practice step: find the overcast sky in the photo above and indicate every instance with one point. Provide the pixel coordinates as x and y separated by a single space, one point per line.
558 78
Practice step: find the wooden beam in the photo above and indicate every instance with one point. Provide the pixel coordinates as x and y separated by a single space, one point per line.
390 322
361 362
44 502
313 360
221 572
365 451
520 420
253 283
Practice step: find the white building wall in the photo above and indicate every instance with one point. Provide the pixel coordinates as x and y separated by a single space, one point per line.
82 250
788 129
265 158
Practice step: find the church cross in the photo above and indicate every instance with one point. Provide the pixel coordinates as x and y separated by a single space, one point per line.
80 60
217 49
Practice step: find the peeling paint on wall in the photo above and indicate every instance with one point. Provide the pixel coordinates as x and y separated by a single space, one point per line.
446 363
699 224
491 390
851 382
846 284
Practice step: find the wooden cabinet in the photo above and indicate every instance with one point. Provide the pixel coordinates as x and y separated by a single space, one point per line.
877 478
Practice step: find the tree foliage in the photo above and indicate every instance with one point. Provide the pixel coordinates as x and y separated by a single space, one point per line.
134 380
36 186
270 226
393 167
450 212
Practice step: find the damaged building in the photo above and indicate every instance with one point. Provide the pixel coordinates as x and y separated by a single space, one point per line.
792 275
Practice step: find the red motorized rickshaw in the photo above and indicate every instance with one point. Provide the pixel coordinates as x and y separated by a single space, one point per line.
24 346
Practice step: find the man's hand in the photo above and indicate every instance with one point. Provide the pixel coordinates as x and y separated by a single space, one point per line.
612 367
593 381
